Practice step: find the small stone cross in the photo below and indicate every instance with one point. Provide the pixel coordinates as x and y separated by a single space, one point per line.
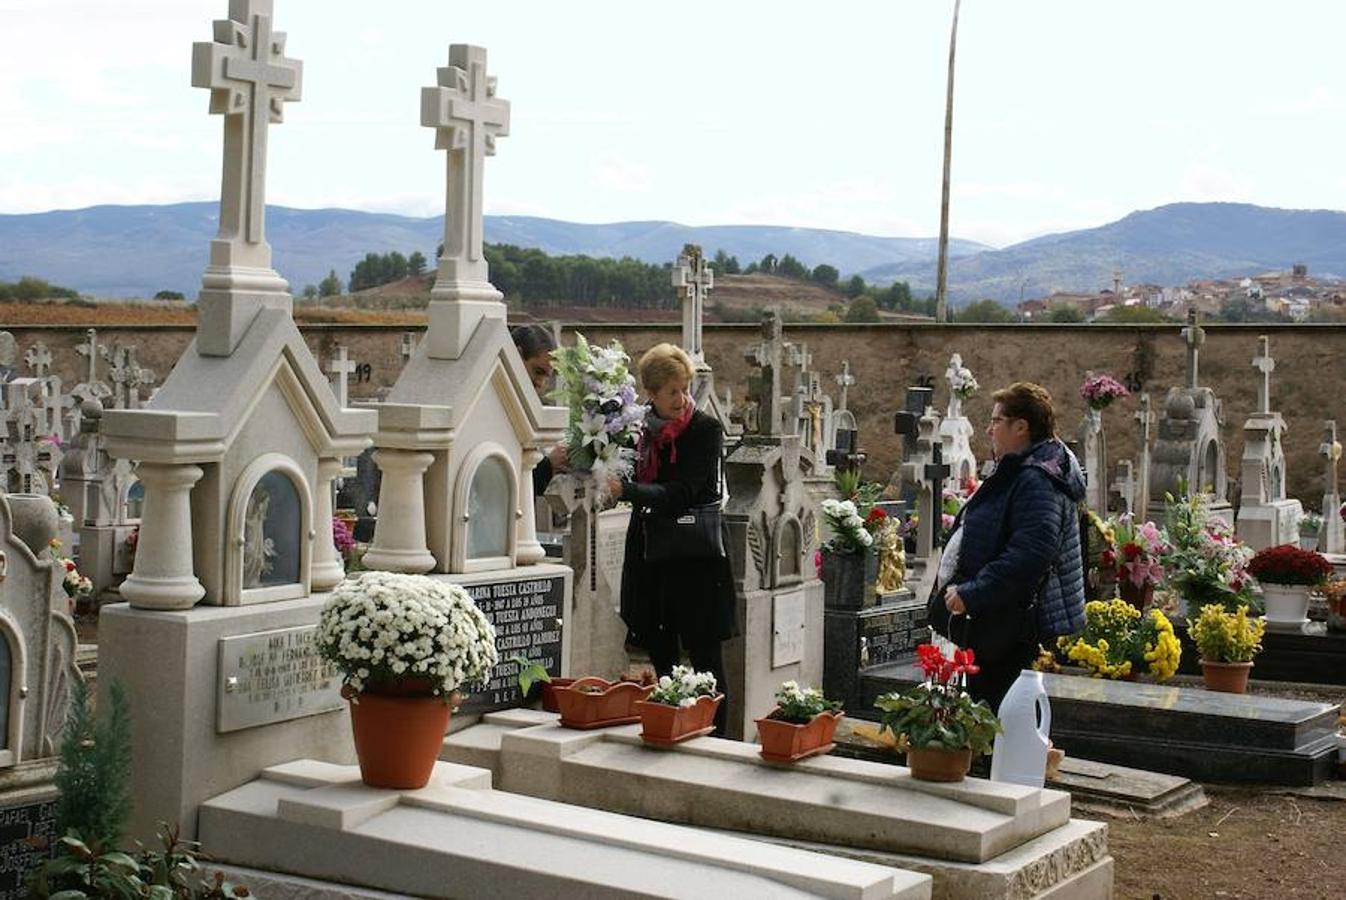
694 279
766 386
339 369
1330 451
1195 336
845 380
1144 418
249 79
90 349
1264 363
38 358
468 118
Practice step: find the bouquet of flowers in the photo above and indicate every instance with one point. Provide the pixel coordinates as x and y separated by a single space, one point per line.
74 584
1118 641
938 712
343 538
1100 390
963 384
1230 637
1205 563
605 418
683 687
1309 524
849 534
389 631
1287 564
1137 552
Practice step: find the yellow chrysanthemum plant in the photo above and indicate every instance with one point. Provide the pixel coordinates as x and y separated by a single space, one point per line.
1120 642
1225 637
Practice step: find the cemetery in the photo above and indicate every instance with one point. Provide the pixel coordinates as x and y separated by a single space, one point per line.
339 605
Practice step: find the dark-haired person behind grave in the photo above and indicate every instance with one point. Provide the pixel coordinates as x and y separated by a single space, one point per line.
1012 575
676 604
535 345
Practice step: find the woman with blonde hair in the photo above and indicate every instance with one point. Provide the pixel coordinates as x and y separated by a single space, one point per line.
671 604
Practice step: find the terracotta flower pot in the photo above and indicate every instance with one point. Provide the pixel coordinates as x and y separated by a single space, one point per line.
549 689
938 763
398 736
613 703
784 741
1139 597
1231 678
661 723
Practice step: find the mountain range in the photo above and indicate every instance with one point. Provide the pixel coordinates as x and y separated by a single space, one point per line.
135 251
121 251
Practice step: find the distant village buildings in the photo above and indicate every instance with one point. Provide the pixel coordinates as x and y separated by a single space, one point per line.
1294 294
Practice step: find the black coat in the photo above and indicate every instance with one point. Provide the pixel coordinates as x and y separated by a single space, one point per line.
695 600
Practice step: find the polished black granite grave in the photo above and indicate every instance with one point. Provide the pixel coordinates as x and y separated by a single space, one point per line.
855 640
1200 734
1315 656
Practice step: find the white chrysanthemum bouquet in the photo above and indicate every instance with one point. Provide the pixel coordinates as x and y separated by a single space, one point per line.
605 418
389 631
849 534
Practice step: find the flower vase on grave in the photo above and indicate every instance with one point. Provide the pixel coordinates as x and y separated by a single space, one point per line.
593 702
398 733
938 763
1226 677
1139 597
1287 606
848 579
662 724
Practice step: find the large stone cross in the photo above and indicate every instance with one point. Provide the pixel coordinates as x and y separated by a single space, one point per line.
1195 336
766 386
1264 363
694 279
90 349
467 117
250 79
845 380
339 369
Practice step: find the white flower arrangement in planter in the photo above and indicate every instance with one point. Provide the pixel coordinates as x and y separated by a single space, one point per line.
393 632
683 687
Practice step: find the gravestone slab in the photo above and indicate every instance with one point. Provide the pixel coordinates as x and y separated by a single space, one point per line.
27 835
1196 733
856 640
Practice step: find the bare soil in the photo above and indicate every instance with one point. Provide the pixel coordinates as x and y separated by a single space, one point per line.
1244 844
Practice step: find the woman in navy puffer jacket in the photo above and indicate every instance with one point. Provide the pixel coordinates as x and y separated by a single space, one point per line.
1018 544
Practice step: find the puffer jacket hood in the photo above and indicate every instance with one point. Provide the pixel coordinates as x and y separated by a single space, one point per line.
1060 465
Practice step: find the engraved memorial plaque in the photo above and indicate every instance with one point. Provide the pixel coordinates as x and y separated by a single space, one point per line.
787 629
273 676
24 830
527 616
612 526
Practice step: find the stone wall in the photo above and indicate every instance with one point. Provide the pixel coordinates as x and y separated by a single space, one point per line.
1307 384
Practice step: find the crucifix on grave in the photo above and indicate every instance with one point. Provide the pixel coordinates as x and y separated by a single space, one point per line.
1265 364
763 416
1332 533
1194 336
468 118
926 470
250 80
694 279
127 376
1144 418
339 370
845 381
89 349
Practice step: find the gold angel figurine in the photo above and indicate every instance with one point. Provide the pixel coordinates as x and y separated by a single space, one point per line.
892 560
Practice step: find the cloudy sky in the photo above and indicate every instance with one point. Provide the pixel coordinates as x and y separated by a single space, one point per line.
1069 113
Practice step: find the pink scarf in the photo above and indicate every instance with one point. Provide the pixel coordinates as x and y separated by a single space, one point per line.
651 444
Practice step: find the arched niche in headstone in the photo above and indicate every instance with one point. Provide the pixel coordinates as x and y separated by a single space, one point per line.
485 501
1207 475
787 552
12 668
132 501
267 556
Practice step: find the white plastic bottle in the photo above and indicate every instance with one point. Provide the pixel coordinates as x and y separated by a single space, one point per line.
1020 754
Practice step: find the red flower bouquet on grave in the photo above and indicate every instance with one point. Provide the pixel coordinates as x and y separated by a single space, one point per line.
1287 564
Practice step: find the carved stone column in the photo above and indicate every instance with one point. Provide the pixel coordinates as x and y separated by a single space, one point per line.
399 532
328 569
163 577
529 551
